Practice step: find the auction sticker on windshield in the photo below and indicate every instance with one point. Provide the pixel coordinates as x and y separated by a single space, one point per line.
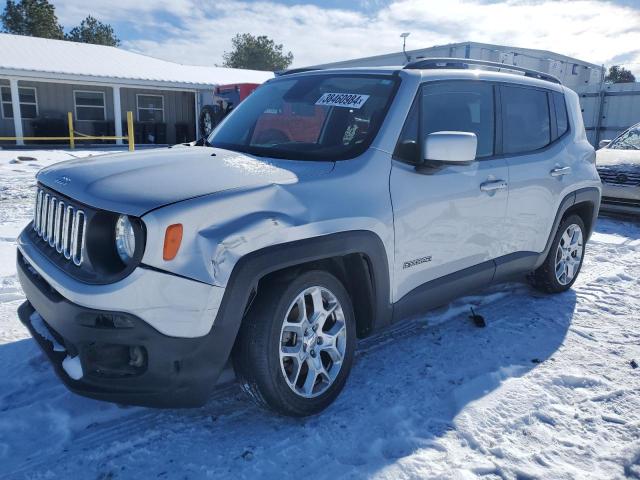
349 100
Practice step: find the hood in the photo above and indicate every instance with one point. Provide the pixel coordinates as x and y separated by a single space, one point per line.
135 183
610 157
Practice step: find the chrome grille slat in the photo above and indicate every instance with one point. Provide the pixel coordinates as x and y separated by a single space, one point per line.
68 222
41 202
58 229
62 226
43 216
36 217
77 233
51 225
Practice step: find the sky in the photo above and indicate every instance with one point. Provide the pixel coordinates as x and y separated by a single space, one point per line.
200 31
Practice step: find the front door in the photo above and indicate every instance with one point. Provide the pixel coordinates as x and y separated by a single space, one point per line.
452 217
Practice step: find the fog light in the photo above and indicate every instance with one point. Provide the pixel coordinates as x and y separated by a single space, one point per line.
136 357
105 320
114 361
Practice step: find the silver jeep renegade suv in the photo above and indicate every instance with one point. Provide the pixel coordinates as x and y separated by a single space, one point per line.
328 205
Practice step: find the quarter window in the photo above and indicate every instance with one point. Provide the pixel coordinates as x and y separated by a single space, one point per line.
28 102
150 108
461 107
408 148
561 113
89 106
526 124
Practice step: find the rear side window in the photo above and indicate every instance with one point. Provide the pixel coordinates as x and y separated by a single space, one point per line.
561 113
461 107
526 123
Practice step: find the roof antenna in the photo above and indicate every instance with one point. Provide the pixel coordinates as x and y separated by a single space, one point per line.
404 45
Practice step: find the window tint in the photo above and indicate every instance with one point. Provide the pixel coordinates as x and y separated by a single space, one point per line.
526 124
461 107
629 140
150 108
561 113
89 105
27 98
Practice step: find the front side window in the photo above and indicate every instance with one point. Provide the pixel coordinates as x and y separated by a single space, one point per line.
90 106
315 117
460 107
525 116
28 102
150 108
629 140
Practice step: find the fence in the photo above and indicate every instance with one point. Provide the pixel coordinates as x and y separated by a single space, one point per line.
80 137
609 109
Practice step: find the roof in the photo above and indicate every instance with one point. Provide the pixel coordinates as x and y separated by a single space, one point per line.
62 60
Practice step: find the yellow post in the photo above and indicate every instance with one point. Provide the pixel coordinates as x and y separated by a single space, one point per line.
130 131
72 142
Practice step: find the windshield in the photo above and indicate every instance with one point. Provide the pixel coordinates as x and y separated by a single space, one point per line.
314 117
629 140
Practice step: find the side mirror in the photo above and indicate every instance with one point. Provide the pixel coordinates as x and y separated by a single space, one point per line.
450 147
604 143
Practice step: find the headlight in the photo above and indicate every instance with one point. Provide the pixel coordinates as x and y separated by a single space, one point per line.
125 239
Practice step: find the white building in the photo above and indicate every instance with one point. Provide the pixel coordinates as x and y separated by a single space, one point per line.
571 71
42 79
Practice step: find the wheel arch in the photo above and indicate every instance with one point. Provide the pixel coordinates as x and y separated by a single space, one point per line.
357 258
354 271
584 202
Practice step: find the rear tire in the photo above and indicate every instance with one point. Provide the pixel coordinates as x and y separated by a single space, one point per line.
563 263
296 345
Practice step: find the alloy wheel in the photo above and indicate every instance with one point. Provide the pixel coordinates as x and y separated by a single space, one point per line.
313 341
569 254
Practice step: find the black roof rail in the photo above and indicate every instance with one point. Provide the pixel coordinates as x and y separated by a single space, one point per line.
465 63
295 70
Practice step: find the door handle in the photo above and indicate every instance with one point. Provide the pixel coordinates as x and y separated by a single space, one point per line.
560 171
493 185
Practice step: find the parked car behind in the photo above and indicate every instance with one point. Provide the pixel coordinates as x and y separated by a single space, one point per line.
618 164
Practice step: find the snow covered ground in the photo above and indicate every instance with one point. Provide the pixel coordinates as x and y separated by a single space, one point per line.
546 390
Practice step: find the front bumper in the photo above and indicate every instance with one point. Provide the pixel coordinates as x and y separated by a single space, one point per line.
173 305
620 199
176 372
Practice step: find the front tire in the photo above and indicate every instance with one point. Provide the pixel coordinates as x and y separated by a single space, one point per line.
564 260
296 345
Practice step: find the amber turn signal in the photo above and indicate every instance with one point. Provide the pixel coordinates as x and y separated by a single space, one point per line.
172 240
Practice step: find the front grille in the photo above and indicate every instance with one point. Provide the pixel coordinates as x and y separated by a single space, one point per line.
621 202
62 226
618 176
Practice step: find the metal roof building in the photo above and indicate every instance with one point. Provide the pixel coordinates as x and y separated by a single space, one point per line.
571 71
42 79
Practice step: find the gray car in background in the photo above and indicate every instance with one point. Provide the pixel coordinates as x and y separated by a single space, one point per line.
618 163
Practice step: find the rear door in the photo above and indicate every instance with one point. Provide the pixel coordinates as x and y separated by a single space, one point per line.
535 144
443 220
